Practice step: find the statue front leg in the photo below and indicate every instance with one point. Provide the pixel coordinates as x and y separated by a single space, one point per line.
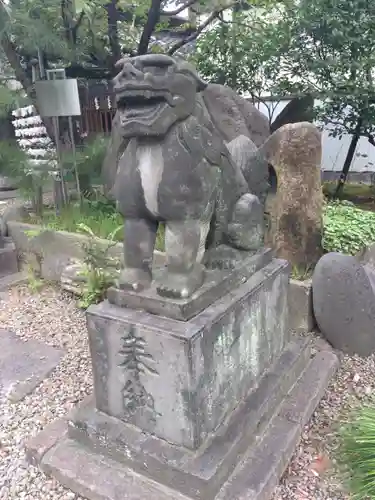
184 246
139 242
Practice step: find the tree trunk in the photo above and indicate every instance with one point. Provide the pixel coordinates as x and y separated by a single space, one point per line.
37 201
348 160
114 42
153 17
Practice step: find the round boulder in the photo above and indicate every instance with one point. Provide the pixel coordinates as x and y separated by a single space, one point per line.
344 303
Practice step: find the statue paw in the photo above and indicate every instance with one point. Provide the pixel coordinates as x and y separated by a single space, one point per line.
180 285
250 240
134 279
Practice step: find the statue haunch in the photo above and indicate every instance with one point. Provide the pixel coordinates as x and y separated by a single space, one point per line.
168 163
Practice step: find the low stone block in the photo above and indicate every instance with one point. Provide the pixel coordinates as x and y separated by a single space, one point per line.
38 446
23 365
301 315
344 303
14 212
57 249
8 257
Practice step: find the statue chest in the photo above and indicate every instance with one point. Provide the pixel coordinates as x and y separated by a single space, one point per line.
150 167
164 178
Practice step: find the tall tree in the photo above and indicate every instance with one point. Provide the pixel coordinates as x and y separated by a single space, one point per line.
87 37
331 54
245 52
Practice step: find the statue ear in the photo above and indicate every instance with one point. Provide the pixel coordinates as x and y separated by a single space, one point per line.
190 72
120 63
188 69
201 84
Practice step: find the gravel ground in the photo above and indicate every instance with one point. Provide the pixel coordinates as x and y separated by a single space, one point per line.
311 473
52 317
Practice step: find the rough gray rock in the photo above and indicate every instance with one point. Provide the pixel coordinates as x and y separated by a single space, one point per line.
294 151
344 303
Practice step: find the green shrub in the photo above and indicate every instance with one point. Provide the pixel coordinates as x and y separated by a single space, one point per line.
102 219
347 229
99 215
356 453
100 270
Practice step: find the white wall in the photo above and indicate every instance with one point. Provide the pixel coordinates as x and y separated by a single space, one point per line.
334 149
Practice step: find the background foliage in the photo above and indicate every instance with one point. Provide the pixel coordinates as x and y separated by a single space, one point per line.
356 454
347 229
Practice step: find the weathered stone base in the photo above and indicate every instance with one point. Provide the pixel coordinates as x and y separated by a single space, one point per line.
179 380
101 458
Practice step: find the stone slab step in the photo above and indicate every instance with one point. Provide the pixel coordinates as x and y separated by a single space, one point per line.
8 258
256 477
200 474
99 478
24 365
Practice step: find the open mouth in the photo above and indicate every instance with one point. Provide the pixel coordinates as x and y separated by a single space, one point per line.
140 105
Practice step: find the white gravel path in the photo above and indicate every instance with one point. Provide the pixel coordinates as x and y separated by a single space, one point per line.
52 317
311 474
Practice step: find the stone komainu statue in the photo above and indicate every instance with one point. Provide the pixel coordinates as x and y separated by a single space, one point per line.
184 153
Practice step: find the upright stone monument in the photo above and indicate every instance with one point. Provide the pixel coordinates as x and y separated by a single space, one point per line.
200 393
295 151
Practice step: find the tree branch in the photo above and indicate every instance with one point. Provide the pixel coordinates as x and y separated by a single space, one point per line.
65 21
214 15
177 11
15 62
114 42
245 25
371 139
77 26
153 17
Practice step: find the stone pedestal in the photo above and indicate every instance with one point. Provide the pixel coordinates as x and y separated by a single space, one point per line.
179 380
206 408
